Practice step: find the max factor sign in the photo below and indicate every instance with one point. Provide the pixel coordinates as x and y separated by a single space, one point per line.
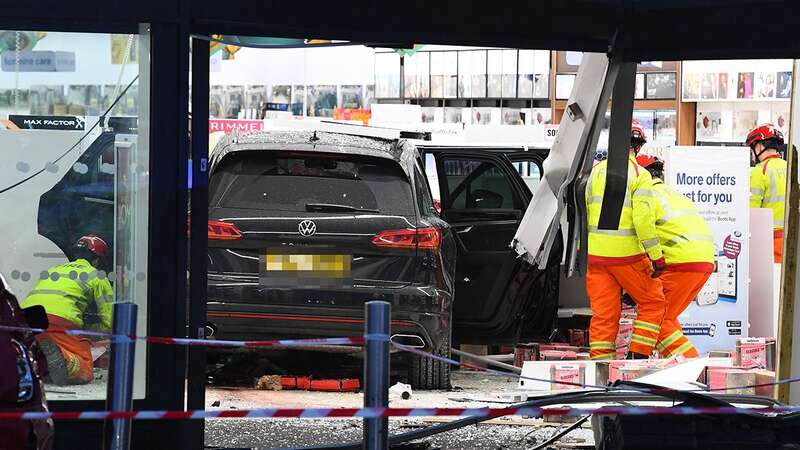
69 123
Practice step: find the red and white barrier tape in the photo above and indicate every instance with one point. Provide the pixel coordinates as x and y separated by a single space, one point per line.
197 342
329 413
347 341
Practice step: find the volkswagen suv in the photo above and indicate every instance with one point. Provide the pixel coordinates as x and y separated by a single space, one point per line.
305 227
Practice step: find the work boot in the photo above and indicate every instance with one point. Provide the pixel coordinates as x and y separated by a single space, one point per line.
56 364
634 355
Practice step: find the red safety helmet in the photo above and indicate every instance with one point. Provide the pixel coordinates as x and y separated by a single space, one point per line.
653 164
646 160
95 245
638 133
764 132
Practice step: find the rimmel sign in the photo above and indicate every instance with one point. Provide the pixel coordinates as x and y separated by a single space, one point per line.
228 125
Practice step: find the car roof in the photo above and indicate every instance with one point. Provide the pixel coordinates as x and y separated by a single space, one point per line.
313 141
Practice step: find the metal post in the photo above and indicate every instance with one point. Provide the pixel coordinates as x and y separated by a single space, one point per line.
120 385
376 373
402 79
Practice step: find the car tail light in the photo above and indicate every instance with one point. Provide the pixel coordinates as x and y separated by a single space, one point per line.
223 231
424 238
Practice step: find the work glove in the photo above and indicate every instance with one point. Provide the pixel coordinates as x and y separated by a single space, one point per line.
658 267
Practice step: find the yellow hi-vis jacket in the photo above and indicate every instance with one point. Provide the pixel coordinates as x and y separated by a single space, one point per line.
70 289
636 234
686 241
768 188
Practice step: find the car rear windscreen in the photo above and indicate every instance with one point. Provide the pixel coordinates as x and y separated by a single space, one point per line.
300 182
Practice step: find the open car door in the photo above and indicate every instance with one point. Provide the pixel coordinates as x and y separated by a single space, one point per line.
483 197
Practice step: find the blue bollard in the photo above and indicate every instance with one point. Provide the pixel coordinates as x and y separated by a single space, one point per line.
120 384
376 373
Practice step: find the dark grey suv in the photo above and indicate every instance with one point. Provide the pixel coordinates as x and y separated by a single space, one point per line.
304 227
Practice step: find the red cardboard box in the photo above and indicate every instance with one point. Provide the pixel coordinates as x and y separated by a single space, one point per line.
579 337
559 346
631 369
558 355
567 373
624 337
525 352
731 377
751 353
628 312
766 377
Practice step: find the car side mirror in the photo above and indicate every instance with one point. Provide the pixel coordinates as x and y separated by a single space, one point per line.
36 317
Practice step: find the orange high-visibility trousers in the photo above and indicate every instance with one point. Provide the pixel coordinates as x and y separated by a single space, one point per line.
680 289
604 286
777 246
76 350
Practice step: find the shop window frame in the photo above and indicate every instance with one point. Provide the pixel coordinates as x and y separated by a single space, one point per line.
168 212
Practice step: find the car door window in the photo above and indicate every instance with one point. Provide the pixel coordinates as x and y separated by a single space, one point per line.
93 174
103 174
474 183
424 200
432 174
83 201
530 172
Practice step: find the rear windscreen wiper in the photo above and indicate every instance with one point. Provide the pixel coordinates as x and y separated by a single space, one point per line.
335 207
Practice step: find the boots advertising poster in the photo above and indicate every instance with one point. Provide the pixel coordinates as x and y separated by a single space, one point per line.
717 180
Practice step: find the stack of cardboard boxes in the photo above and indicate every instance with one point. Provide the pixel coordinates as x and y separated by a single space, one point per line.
754 364
568 365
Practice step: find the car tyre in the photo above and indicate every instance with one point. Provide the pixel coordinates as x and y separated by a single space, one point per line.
428 373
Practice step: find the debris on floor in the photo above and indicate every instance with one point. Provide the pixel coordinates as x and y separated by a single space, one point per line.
269 383
400 390
307 384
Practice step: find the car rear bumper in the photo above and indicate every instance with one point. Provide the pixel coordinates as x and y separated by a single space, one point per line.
241 321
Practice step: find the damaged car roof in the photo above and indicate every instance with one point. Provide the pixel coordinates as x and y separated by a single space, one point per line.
321 141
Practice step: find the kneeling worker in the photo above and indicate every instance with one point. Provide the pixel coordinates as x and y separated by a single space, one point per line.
688 248
627 258
68 293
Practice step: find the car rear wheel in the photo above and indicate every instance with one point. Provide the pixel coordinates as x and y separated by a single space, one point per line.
428 373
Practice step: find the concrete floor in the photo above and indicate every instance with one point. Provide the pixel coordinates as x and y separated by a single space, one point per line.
96 390
471 390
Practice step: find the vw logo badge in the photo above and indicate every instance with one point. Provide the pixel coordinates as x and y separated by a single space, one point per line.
307 228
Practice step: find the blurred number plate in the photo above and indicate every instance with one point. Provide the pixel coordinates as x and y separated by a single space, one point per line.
306 270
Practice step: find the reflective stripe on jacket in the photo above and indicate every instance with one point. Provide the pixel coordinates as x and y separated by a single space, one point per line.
70 289
636 234
768 188
685 238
